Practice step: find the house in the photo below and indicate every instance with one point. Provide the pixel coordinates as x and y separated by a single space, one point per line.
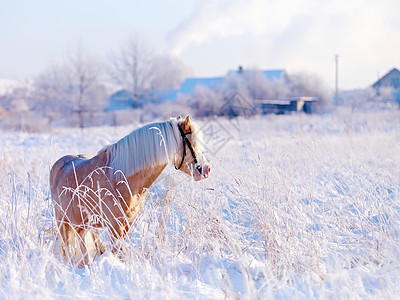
122 99
390 81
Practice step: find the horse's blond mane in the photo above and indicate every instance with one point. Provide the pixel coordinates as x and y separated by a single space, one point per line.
145 147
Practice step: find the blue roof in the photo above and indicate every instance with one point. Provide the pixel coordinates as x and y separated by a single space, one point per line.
189 85
274 74
120 100
271 75
165 95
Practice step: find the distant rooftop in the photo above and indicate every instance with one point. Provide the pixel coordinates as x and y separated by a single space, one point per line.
271 75
189 85
392 78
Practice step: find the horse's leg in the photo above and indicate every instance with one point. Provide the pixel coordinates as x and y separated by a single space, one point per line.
118 236
97 241
64 229
73 243
82 248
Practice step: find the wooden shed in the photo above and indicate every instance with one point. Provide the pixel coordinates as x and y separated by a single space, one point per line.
289 105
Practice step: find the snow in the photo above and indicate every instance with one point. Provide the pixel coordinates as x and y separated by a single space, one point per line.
297 207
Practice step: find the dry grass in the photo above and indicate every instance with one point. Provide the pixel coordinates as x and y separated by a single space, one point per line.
300 207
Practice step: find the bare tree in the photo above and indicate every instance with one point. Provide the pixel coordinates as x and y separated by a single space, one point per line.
83 76
73 86
131 67
50 92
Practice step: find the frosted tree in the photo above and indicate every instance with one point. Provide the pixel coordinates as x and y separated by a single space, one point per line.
83 74
51 95
73 86
257 85
302 84
131 67
254 85
50 87
168 72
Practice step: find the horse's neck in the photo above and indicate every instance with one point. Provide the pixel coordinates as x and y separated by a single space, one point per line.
143 149
141 181
136 183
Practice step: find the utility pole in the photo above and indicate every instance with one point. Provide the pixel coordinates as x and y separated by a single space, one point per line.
336 78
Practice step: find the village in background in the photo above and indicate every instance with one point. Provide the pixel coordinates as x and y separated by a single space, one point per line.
135 85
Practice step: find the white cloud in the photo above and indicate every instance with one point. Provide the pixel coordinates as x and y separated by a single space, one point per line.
225 19
300 35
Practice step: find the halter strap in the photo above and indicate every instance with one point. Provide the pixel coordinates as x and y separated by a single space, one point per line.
185 142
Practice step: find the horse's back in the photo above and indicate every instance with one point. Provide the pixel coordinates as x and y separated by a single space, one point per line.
63 172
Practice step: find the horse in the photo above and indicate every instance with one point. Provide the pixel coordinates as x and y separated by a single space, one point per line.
109 189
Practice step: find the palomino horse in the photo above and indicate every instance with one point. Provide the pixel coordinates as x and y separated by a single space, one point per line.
109 189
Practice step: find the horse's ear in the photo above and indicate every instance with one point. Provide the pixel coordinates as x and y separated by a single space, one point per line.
186 126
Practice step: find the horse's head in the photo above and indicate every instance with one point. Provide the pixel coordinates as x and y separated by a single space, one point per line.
191 159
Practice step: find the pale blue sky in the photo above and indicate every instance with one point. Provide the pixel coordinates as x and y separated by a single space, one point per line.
210 36
36 33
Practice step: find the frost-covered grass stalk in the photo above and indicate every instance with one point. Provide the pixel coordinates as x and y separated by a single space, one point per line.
297 206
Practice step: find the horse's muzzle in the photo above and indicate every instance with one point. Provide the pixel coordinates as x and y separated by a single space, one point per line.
205 173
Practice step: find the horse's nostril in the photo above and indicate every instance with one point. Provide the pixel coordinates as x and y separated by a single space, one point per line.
207 170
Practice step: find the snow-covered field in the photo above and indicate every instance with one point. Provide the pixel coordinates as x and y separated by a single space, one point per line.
296 207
